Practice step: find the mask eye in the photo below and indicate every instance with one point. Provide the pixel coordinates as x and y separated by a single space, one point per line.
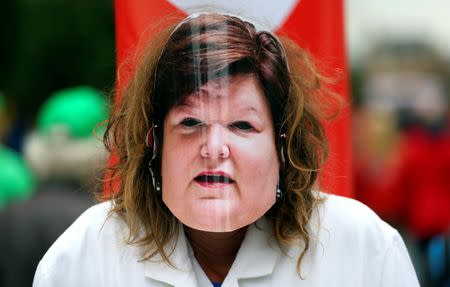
190 122
242 125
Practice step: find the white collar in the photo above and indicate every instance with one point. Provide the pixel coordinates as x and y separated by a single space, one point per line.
256 258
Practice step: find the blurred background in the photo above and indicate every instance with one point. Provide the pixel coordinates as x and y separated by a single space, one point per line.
57 70
399 54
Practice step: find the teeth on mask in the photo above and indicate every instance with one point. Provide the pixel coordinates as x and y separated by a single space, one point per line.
214 179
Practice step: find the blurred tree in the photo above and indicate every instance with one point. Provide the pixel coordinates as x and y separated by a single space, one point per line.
49 44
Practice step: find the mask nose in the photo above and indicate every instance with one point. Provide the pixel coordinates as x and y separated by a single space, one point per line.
215 146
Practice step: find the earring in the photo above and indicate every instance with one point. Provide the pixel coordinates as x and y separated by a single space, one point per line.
278 193
156 181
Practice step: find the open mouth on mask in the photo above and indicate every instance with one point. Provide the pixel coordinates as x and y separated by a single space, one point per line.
213 178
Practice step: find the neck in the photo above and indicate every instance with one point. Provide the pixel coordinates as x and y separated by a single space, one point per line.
215 251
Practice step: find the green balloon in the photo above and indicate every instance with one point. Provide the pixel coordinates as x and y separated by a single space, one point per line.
78 110
16 180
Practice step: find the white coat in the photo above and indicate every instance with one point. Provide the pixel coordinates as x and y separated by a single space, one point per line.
350 246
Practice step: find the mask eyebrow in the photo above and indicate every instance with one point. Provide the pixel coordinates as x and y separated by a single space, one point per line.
190 100
252 110
182 108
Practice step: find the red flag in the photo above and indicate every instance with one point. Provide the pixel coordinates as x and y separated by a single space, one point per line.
318 26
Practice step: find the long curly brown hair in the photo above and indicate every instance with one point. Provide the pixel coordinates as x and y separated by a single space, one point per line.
293 89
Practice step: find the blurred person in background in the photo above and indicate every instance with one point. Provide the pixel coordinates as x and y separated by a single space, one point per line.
403 150
16 179
63 154
12 127
3 118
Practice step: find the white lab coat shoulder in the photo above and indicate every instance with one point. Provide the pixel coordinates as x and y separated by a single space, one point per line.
350 246
91 252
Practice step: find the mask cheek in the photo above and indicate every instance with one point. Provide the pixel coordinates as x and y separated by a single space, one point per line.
258 198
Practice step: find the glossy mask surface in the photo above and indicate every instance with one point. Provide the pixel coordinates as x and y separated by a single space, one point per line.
219 162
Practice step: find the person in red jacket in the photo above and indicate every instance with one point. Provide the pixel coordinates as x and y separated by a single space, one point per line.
402 170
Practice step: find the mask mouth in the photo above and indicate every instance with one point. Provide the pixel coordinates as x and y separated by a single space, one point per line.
211 178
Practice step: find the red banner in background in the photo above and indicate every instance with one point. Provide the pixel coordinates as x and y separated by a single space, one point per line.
136 21
316 25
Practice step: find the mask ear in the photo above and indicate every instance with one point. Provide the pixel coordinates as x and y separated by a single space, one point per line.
282 139
279 194
151 142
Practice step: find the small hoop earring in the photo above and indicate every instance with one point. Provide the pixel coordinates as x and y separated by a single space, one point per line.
278 193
